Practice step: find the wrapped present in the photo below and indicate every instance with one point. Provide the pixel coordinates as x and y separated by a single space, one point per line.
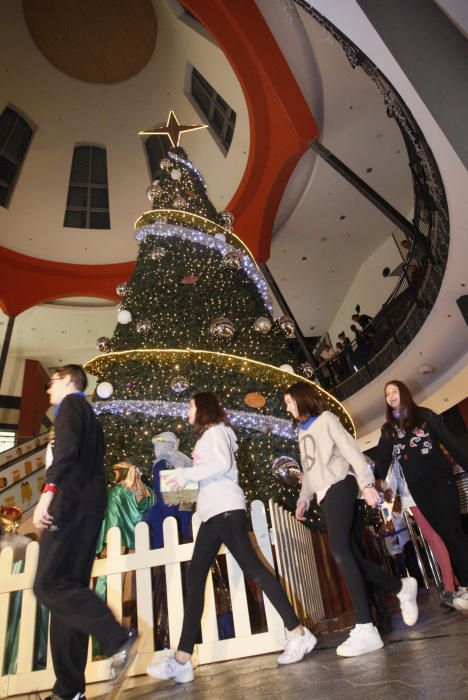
188 495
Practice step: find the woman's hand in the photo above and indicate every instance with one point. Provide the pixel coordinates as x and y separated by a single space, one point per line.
301 509
371 496
174 484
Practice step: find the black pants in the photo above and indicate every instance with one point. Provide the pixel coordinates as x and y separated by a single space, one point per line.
338 507
437 498
228 528
62 584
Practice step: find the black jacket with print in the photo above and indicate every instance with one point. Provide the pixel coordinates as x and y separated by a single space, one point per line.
418 450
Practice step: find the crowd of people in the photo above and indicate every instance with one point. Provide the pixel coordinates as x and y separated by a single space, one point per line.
410 462
335 364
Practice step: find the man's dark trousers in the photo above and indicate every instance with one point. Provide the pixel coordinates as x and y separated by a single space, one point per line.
66 558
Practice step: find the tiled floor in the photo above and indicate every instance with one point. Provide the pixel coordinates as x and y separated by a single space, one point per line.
427 661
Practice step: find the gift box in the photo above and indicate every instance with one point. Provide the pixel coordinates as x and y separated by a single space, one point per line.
188 495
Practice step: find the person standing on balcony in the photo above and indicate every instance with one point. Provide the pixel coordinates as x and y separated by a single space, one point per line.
334 471
69 513
411 438
221 507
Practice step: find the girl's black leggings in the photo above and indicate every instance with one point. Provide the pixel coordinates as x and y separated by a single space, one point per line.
229 528
338 507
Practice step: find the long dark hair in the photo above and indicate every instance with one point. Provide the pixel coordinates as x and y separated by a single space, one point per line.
307 401
410 416
209 412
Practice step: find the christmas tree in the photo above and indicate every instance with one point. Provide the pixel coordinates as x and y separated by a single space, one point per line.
196 315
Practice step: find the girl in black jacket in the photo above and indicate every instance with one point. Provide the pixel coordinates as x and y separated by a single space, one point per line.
411 437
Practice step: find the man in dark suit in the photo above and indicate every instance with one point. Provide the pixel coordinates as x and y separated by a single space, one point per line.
70 511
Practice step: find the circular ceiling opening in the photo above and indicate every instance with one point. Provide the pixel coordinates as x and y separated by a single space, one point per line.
99 42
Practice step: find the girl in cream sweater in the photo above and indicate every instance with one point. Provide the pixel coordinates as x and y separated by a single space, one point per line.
335 470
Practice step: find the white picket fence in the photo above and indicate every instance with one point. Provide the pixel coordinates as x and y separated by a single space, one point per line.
296 563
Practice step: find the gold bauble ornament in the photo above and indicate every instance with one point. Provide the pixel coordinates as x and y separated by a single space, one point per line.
286 470
232 260
263 324
254 400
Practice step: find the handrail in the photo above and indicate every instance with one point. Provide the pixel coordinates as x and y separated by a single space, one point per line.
423 270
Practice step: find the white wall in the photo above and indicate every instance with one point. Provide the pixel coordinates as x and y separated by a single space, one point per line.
369 288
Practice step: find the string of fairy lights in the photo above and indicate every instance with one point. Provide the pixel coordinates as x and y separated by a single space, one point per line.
178 409
163 231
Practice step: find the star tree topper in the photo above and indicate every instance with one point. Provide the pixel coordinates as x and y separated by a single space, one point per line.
173 130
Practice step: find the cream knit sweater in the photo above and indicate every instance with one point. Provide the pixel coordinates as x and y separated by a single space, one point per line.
327 451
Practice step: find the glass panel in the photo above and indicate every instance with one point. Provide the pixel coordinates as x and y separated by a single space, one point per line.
157 147
7 120
77 197
99 219
218 122
98 166
80 164
222 105
99 198
75 219
198 78
228 136
3 196
201 98
18 140
7 170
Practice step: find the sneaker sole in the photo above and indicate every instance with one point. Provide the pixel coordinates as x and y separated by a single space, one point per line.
154 675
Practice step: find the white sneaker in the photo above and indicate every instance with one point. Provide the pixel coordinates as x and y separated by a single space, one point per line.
362 640
297 646
407 597
170 668
460 598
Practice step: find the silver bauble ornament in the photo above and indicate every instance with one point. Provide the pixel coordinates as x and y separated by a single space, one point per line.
158 253
121 288
227 218
144 326
176 174
124 317
286 326
286 470
232 260
287 368
179 385
263 324
165 164
102 344
222 328
153 191
179 202
307 370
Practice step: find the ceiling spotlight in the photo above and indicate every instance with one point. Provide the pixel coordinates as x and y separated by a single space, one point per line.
426 369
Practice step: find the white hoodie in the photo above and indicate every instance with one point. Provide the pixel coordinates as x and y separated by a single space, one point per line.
215 469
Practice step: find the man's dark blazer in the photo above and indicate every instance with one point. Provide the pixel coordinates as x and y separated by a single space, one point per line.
77 469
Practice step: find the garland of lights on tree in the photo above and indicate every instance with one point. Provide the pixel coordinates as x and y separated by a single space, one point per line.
196 315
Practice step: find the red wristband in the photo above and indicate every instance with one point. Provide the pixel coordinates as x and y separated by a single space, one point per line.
49 487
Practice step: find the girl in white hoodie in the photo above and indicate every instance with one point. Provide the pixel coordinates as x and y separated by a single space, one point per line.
221 507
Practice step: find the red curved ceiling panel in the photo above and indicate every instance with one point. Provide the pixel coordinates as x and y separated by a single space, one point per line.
281 125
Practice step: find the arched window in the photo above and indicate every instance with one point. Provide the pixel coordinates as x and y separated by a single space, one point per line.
221 117
15 137
88 196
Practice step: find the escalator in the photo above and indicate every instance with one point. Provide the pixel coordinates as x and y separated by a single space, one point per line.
22 473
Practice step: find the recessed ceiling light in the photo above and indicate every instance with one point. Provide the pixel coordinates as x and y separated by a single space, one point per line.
342 217
369 170
304 258
323 239
426 369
